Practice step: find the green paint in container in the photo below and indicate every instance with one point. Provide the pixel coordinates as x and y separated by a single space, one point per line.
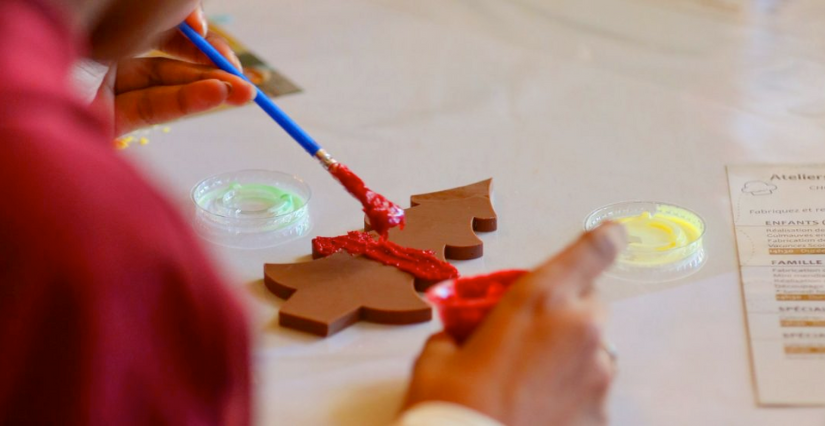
252 208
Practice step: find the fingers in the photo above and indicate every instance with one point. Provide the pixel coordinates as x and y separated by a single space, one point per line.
587 258
589 366
573 271
567 278
439 345
179 46
601 379
570 274
593 313
429 366
591 317
143 73
580 323
197 20
167 103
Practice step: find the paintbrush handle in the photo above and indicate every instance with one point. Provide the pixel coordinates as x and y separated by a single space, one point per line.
263 101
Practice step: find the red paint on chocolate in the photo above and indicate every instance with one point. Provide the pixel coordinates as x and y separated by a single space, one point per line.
421 263
382 213
464 303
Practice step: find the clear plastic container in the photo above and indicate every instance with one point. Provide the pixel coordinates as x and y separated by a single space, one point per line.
665 241
252 208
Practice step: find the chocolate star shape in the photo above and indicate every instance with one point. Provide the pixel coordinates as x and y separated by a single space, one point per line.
327 295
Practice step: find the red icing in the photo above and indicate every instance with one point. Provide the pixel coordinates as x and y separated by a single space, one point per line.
421 263
464 303
382 213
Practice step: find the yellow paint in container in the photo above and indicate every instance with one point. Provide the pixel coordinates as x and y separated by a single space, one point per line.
650 235
664 241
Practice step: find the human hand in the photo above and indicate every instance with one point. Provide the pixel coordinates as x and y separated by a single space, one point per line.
140 92
539 357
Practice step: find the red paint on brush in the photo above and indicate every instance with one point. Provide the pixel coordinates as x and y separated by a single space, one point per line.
421 263
381 212
464 303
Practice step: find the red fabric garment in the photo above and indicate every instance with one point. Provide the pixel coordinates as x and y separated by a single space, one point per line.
110 313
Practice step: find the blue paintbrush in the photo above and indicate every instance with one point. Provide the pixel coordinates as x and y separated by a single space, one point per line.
382 213
277 114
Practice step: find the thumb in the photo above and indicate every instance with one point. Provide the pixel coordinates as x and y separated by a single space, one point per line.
573 270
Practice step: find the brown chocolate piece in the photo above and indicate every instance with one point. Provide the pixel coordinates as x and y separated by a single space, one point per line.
327 295
446 222
478 189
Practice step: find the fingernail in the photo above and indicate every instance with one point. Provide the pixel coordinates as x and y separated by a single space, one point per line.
204 22
614 235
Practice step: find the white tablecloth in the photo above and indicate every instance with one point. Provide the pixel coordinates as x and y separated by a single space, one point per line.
568 105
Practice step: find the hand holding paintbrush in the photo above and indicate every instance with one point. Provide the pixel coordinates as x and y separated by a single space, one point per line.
382 213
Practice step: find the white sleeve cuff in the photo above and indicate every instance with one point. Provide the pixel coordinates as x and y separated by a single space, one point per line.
443 414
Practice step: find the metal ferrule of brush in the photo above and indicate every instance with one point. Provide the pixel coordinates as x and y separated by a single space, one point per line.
325 159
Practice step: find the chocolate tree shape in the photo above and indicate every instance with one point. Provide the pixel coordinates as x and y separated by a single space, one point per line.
446 222
327 295
478 189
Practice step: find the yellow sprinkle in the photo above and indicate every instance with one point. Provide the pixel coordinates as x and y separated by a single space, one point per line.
167 129
144 141
124 142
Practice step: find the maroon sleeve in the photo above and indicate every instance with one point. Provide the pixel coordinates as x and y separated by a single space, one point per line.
110 313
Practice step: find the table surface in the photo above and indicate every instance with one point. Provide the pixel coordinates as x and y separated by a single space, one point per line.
568 105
